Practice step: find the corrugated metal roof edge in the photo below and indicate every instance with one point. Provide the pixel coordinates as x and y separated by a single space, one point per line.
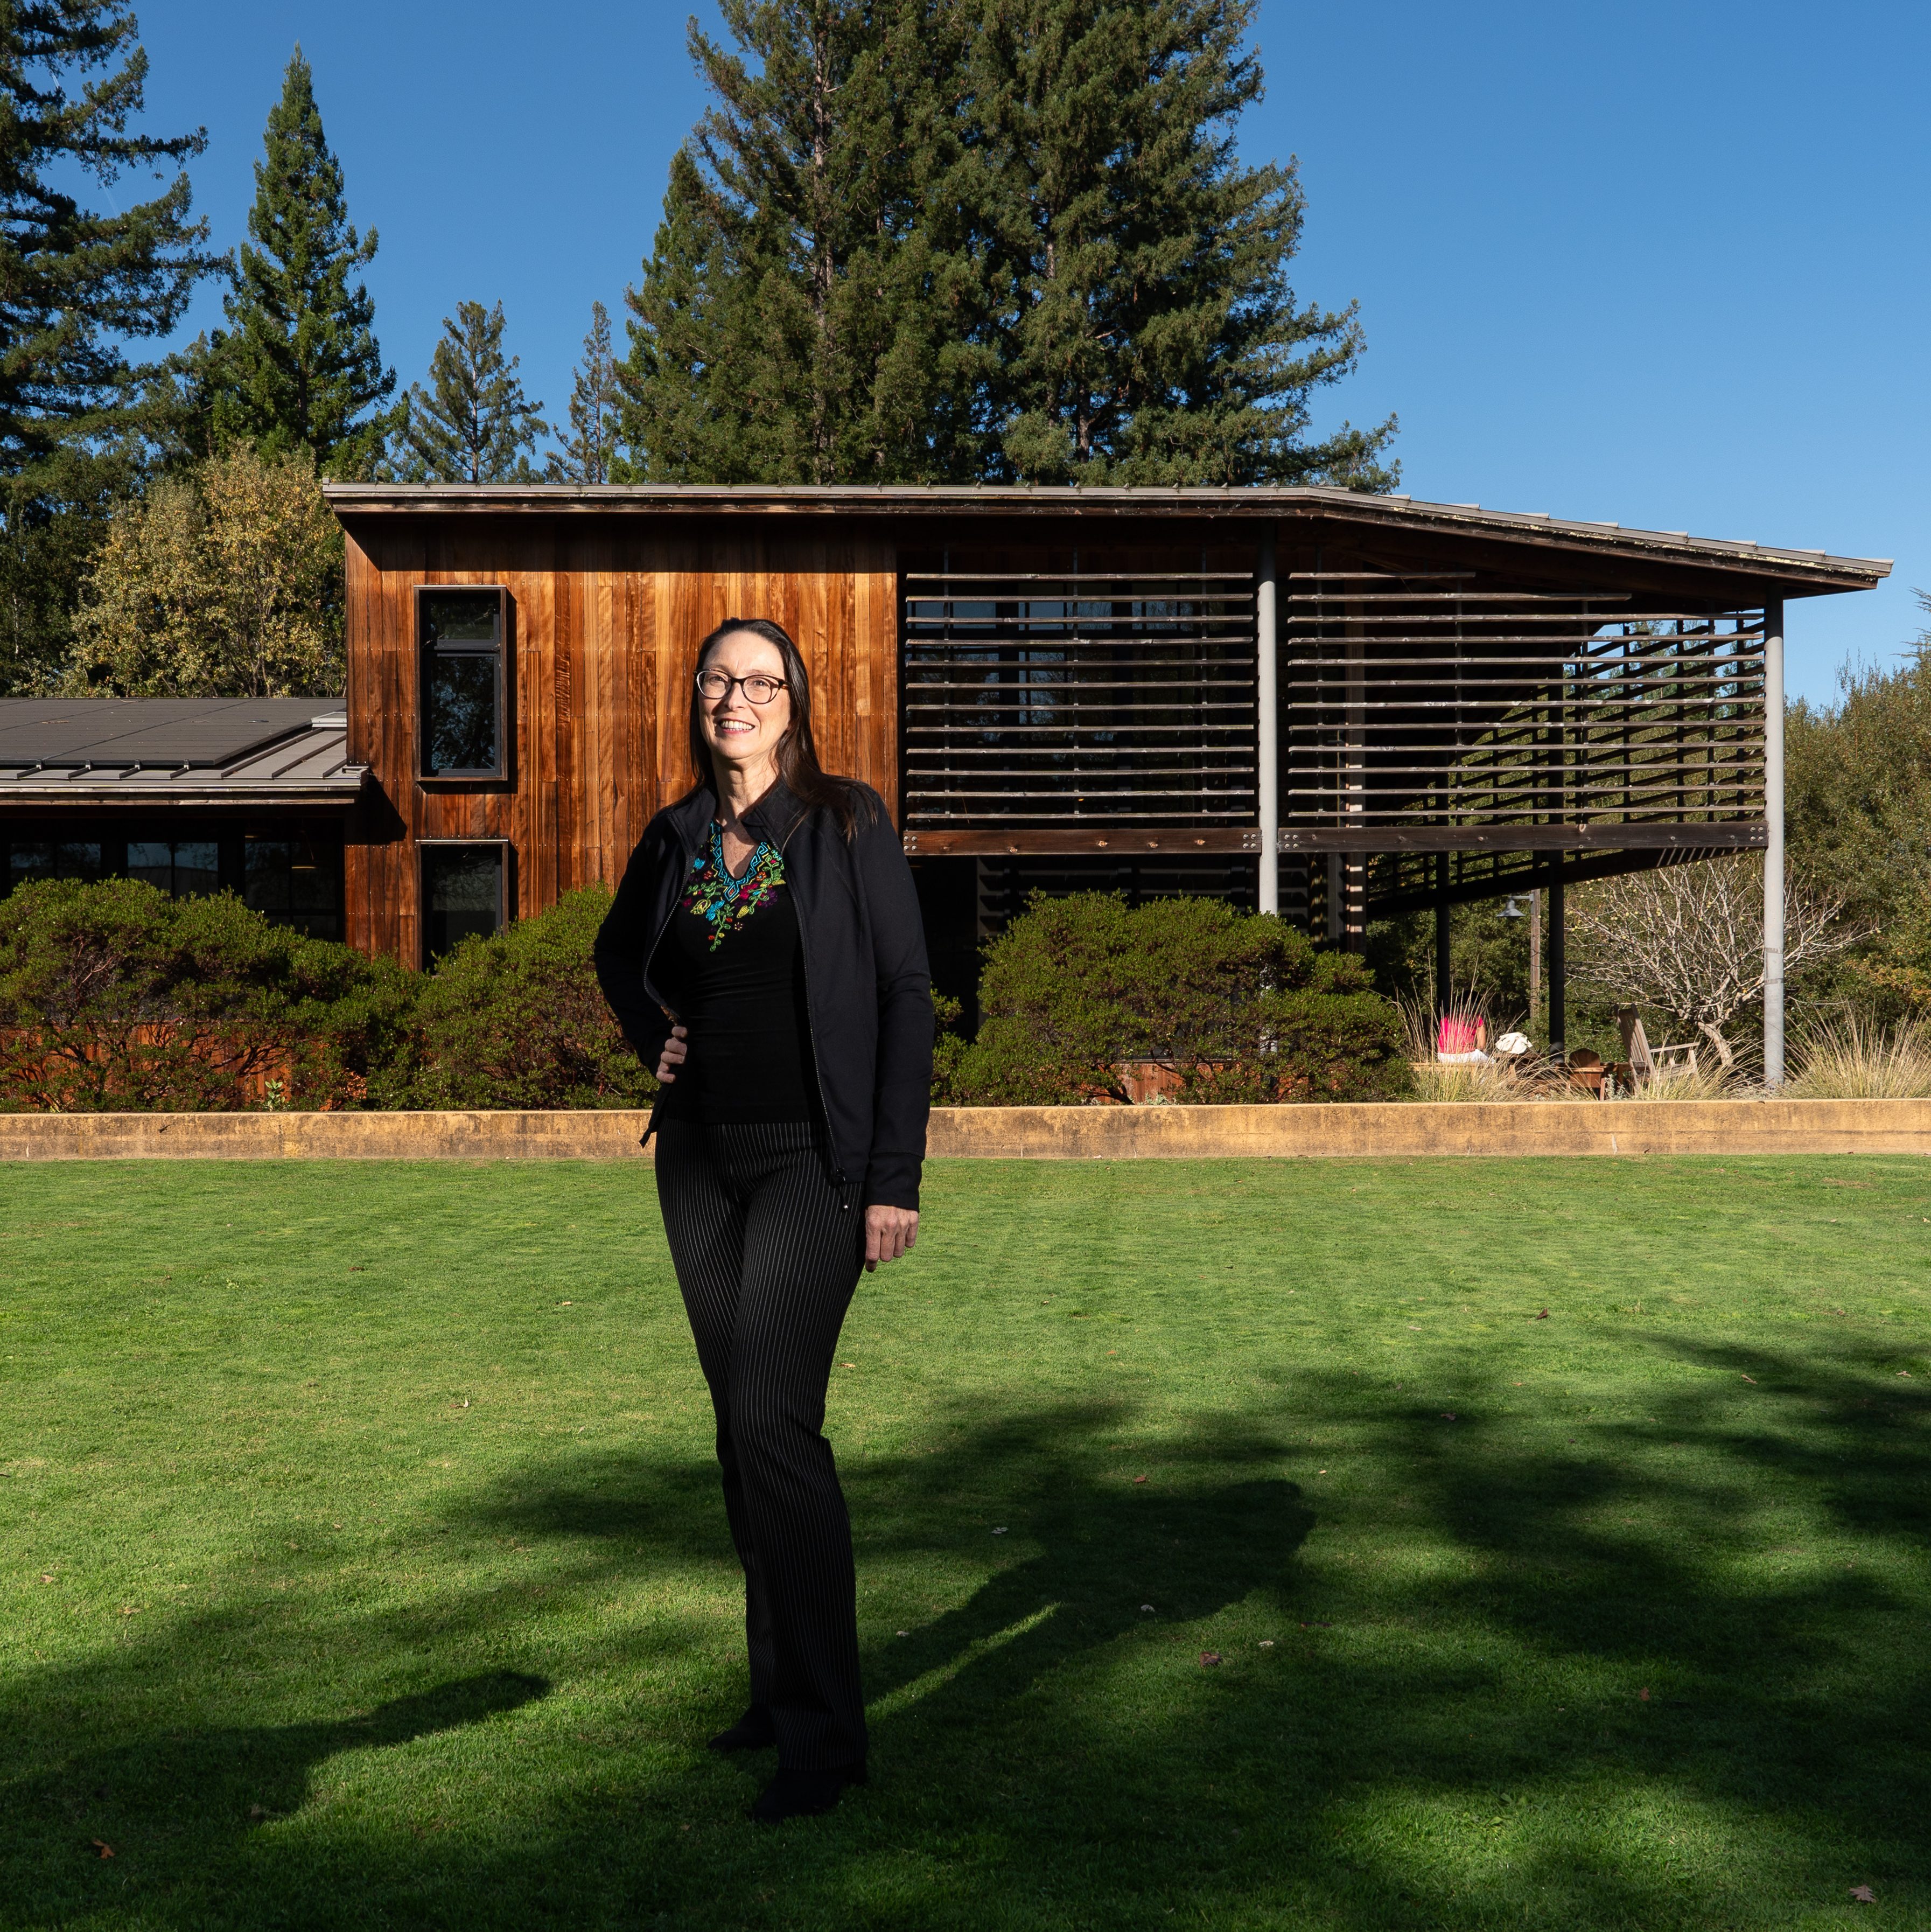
1261 500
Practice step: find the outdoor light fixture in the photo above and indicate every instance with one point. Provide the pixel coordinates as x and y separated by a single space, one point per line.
1511 911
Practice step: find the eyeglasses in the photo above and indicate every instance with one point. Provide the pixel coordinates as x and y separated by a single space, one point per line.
759 689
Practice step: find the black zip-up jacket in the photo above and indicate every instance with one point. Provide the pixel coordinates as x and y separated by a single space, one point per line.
867 990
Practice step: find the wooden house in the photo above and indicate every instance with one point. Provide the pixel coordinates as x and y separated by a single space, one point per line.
1309 701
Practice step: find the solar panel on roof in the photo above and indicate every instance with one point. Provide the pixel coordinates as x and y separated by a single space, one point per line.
145 730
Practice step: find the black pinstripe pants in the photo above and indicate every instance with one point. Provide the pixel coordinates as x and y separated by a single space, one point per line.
768 1251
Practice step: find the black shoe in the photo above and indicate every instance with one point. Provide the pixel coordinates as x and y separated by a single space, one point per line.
804 1794
754 1731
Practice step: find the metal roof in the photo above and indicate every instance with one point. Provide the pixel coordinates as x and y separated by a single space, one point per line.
1798 569
176 750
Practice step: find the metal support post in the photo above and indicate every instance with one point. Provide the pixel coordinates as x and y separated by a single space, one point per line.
1773 855
1267 705
1558 973
1444 988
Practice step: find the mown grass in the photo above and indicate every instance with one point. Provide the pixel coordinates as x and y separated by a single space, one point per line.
362 1563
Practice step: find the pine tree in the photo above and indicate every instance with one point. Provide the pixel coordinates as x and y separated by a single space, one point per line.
473 423
936 240
799 318
302 368
1146 330
77 417
594 403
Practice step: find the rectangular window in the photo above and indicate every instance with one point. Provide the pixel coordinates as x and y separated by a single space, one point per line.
461 894
297 882
460 641
52 859
184 868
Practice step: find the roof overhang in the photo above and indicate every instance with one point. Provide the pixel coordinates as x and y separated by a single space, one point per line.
1795 572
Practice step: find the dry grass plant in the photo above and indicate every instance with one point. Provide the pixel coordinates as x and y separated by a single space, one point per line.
1462 1080
1472 1081
1855 1058
1698 1079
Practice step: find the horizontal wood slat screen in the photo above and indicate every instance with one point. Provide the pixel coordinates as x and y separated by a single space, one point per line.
1433 700
1425 712
1072 701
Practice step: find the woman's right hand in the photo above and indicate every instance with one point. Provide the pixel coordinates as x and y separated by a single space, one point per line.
673 1056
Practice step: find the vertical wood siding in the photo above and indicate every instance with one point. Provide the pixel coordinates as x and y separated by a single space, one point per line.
605 618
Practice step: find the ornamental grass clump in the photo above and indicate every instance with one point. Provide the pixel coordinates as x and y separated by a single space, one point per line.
1078 994
1855 1058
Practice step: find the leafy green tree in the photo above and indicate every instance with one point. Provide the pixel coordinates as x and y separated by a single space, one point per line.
473 423
1858 799
77 418
224 581
301 368
935 240
595 404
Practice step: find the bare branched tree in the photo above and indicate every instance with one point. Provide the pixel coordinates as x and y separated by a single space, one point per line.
1688 940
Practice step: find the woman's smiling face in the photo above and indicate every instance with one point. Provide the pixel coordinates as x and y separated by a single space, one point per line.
738 731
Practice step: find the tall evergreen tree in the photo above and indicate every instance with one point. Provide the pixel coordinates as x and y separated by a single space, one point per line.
946 239
595 401
76 415
1146 330
800 317
302 368
473 423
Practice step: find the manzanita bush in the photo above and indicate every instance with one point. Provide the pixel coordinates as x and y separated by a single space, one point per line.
113 996
518 1020
1239 1007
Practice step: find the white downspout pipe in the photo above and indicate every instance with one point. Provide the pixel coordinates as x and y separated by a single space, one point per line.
1773 855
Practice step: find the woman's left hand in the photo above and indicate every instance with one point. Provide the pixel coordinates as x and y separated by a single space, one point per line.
889 1233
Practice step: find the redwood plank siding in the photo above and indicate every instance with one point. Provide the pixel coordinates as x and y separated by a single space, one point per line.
604 620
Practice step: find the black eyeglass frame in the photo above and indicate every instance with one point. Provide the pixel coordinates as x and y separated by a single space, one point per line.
718 697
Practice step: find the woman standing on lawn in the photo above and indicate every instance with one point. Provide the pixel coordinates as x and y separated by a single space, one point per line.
765 954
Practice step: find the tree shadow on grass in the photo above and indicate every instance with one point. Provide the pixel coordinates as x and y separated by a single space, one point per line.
1445 1728
143 1801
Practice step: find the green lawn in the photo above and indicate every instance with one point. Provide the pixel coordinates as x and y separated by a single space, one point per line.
362 1562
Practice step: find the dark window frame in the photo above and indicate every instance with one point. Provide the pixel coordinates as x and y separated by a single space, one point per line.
505 851
427 652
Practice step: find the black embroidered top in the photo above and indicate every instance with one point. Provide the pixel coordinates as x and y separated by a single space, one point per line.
731 969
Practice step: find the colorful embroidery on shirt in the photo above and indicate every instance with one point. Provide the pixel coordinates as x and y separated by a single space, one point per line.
726 903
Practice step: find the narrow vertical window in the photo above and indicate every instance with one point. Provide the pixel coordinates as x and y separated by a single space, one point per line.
459 635
462 895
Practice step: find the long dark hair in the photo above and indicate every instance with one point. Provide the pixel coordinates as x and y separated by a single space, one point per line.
798 763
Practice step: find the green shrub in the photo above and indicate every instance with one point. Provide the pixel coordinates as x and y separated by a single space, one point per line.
114 997
1240 1007
518 1020
948 1051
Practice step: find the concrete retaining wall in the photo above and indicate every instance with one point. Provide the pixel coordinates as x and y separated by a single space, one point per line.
1031 1133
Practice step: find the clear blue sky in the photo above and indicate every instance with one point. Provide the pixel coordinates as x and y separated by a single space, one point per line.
1664 265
